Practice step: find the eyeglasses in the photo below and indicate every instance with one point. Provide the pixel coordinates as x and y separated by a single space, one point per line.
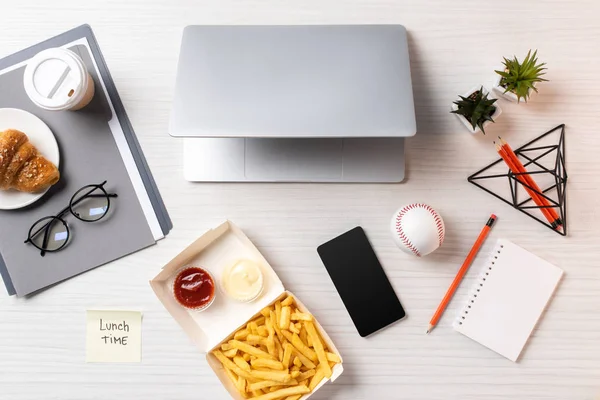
89 204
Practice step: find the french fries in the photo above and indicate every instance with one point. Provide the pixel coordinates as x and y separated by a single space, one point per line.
232 376
272 364
278 355
226 346
317 377
262 331
298 316
241 334
300 347
305 375
279 376
256 340
230 353
297 362
285 319
228 364
278 347
269 325
253 351
293 329
278 311
265 312
304 336
287 354
268 384
323 362
303 360
240 362
275 324
252 327
288 301
333 357
278 394
241 384
271 347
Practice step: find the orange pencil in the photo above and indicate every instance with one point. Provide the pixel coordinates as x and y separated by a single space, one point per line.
521 178
531 182
461 272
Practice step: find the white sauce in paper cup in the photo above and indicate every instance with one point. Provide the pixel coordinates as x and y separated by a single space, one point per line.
243 280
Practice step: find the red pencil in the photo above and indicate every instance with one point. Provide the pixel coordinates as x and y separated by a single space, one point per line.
510 162
555 220
461 273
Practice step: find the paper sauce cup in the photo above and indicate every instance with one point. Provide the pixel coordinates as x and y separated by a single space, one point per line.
57 80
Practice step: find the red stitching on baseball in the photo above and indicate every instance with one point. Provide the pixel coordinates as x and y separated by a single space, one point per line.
438 222
401 234
436 217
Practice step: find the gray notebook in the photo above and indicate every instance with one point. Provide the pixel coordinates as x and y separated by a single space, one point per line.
96 144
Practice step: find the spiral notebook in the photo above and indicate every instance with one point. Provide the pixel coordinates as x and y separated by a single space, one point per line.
508 299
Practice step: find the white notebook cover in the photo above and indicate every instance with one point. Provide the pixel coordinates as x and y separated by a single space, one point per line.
508 299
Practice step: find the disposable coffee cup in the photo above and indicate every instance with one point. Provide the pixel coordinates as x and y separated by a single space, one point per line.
57 80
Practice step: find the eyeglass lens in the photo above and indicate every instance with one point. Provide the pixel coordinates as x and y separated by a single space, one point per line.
52 234
90 204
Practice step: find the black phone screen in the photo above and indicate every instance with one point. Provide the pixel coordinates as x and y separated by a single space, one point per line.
361 282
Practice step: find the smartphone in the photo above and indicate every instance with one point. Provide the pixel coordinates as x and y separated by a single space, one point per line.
361 282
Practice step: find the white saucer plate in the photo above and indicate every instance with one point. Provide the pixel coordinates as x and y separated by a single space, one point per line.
41 137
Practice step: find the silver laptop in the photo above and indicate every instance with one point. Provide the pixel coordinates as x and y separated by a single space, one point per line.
294 103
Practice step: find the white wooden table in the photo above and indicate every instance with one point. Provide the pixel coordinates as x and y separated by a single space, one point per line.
454 45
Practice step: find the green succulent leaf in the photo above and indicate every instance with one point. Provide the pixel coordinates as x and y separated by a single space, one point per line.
520 77
477 109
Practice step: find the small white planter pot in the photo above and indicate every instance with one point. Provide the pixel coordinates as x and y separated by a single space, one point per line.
467 123
510 96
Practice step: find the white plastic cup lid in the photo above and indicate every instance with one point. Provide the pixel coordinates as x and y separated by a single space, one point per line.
55 79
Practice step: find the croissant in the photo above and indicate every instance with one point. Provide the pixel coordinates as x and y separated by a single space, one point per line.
22 167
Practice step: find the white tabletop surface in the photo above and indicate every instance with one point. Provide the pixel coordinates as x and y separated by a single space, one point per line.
454 45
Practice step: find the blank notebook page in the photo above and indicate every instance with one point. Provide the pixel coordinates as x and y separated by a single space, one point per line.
508 299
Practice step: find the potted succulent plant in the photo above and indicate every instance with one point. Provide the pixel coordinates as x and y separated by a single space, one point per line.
475 110
517 80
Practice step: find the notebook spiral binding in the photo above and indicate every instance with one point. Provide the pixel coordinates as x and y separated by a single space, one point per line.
479 284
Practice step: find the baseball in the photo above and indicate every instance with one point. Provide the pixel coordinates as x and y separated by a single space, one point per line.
417 229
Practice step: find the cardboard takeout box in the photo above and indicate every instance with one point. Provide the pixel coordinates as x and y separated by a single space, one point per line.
213 251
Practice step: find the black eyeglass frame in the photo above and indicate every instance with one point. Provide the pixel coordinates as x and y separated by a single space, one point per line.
69 208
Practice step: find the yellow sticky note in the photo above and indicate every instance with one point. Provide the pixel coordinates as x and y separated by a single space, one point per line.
113 336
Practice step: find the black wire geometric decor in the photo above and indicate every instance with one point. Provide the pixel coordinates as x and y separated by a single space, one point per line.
544 159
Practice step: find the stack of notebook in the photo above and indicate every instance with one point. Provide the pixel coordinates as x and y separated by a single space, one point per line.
96 144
